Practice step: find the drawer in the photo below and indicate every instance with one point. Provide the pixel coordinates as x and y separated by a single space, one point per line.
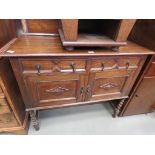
4 106
108 63
52 65
7 120
151 70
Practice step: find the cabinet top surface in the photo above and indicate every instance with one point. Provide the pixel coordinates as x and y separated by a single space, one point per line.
51 46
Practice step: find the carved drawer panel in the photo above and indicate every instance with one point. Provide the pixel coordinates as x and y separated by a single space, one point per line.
8 120
109 63
4 106
55 89
151 70
52 65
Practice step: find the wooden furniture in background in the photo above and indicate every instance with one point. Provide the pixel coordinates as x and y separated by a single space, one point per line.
51 77
142 97
40 26
7 31
13 117
95 32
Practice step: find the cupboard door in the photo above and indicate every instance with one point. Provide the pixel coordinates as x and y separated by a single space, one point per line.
143 100
55 90
109 84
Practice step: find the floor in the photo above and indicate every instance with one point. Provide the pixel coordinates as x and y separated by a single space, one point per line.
92 120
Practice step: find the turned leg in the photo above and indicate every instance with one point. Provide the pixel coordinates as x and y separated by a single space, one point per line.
118 108
34 119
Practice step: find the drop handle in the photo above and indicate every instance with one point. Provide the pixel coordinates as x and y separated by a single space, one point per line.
38 68
88 89
127 65
73 66
81 90
103 65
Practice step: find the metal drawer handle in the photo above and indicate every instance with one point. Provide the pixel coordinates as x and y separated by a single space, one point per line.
88 89
38 67
81 90
73 66
127 65
103 65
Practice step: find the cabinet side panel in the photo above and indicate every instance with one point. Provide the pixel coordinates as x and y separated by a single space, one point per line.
11 90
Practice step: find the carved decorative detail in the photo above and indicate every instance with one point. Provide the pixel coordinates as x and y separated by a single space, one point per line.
108 85
57 90
116 66
56 69
35 122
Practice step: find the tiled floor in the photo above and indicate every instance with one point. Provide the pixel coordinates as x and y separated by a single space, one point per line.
92 119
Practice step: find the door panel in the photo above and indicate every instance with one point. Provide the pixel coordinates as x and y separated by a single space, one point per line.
110 84
51 90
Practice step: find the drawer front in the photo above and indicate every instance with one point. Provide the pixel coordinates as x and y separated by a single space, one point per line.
7 120
51 90
109 63
53 65
111 84
4 106
151 70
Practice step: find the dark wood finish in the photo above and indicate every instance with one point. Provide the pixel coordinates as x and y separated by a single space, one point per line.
71 36
48 90
51 46
143 33
13 117
51 77
125 28
75 65
52 65
7 31
49 26
70 29
141 99
90 40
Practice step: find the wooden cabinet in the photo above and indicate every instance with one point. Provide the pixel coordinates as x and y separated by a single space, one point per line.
142 99
13 117
52 83
52 77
